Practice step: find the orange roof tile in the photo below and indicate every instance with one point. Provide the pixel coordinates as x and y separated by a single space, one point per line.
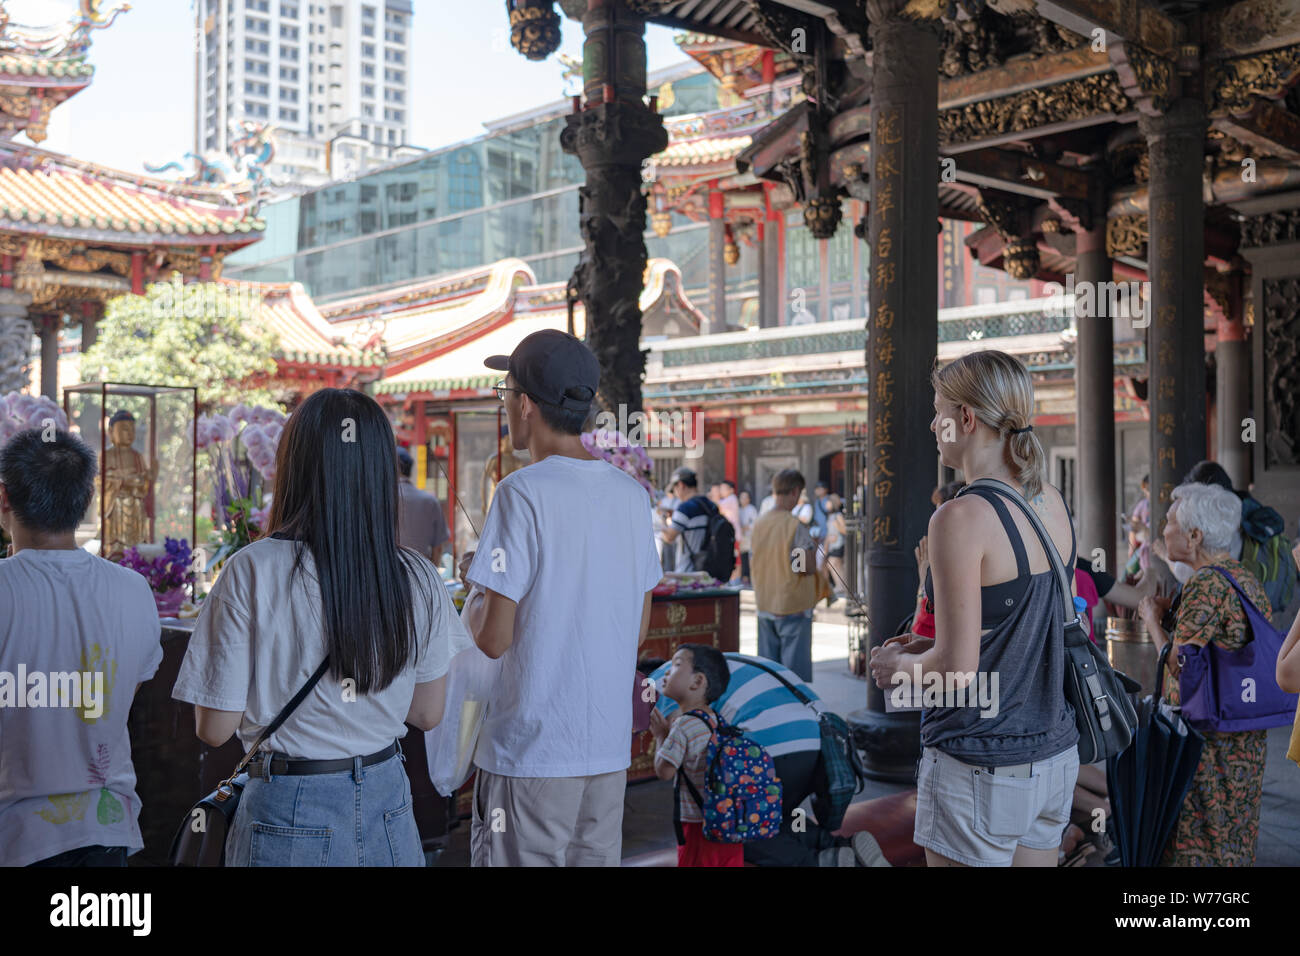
110 207
700 152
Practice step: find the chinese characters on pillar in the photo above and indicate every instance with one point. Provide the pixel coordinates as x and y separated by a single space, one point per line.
1164 366
886 157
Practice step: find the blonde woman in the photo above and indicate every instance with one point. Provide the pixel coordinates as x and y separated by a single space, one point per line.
999 761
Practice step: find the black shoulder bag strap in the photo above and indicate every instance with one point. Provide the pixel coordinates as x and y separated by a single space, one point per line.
682 778
282 716
802 697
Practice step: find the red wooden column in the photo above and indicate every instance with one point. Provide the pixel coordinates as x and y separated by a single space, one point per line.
733 452
137 273
717 262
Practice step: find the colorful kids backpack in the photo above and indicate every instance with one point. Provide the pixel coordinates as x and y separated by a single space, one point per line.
742 795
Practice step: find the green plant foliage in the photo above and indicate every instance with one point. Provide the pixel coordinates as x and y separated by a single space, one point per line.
204 334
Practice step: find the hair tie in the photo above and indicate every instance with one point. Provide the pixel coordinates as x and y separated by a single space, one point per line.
1021 431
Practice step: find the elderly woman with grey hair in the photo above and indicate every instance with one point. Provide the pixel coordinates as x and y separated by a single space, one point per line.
1219 822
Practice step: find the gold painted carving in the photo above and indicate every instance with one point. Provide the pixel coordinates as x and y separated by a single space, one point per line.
1244 25
1235 83
1126 235
1031 109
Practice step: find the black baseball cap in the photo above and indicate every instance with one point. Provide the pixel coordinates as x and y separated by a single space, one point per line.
686 476
553 367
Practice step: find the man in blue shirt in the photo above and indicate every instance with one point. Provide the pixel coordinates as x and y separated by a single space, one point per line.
690 520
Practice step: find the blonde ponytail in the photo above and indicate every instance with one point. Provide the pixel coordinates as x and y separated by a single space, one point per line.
998 389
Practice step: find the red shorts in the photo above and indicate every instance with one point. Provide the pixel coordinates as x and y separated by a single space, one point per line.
697 851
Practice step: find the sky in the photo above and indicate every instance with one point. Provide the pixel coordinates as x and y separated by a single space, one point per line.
140 107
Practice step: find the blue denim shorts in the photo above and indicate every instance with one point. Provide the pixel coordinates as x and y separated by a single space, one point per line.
327 819
977 818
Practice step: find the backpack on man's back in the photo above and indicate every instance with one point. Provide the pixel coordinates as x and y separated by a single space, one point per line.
717 552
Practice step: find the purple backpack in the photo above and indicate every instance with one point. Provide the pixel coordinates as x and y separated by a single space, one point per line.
1212 681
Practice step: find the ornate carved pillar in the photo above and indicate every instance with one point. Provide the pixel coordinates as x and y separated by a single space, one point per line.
15 341
1094 387
717 262
612 136
901 341
49 331
1232 381
1175 338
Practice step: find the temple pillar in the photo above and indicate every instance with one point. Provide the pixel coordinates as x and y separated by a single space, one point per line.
1232 388
717 261
611 136
902 338
1094 392
1175 257
15 341
90 315
49 331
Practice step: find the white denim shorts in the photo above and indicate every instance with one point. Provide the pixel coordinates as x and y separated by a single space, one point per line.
969 815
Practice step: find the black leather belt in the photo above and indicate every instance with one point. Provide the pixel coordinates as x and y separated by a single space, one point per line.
282 765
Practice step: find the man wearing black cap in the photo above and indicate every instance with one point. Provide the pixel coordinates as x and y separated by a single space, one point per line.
690 520
561 583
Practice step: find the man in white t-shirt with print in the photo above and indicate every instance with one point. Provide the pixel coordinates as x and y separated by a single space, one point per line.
561 585
84 634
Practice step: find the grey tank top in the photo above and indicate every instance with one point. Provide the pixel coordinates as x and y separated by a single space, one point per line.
1016 711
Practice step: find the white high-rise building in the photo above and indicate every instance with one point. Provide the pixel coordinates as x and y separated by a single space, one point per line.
332 77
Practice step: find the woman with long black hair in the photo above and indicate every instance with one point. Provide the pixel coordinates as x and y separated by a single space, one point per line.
329 581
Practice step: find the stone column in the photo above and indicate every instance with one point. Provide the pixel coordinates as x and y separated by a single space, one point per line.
1175 256
612 136
15 341
1094 392
49 330
901 341
717 263
1232 388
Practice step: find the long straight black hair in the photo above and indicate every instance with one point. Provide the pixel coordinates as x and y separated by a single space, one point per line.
336 494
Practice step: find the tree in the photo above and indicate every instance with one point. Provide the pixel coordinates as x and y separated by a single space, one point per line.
203 334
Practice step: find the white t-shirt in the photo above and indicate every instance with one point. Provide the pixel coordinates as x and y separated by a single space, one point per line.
66 777
259 638
569 541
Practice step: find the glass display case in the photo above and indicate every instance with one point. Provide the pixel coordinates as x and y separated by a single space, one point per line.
146 488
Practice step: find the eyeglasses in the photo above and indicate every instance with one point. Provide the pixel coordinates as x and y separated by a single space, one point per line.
501 388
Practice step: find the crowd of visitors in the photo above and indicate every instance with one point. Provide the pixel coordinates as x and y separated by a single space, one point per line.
341 600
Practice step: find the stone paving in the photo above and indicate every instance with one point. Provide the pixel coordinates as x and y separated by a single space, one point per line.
647 815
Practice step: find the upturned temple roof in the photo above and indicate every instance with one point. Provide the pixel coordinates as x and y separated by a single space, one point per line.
305 337
704 151
49 194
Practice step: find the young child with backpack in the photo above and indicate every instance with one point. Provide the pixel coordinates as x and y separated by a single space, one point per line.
750 806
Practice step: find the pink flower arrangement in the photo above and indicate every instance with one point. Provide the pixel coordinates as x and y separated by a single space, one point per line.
614 447
19 412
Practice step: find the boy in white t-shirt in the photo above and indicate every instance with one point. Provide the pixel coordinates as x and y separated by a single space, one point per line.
561 594
77 638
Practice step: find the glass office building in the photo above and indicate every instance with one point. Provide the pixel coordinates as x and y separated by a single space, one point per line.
511 192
